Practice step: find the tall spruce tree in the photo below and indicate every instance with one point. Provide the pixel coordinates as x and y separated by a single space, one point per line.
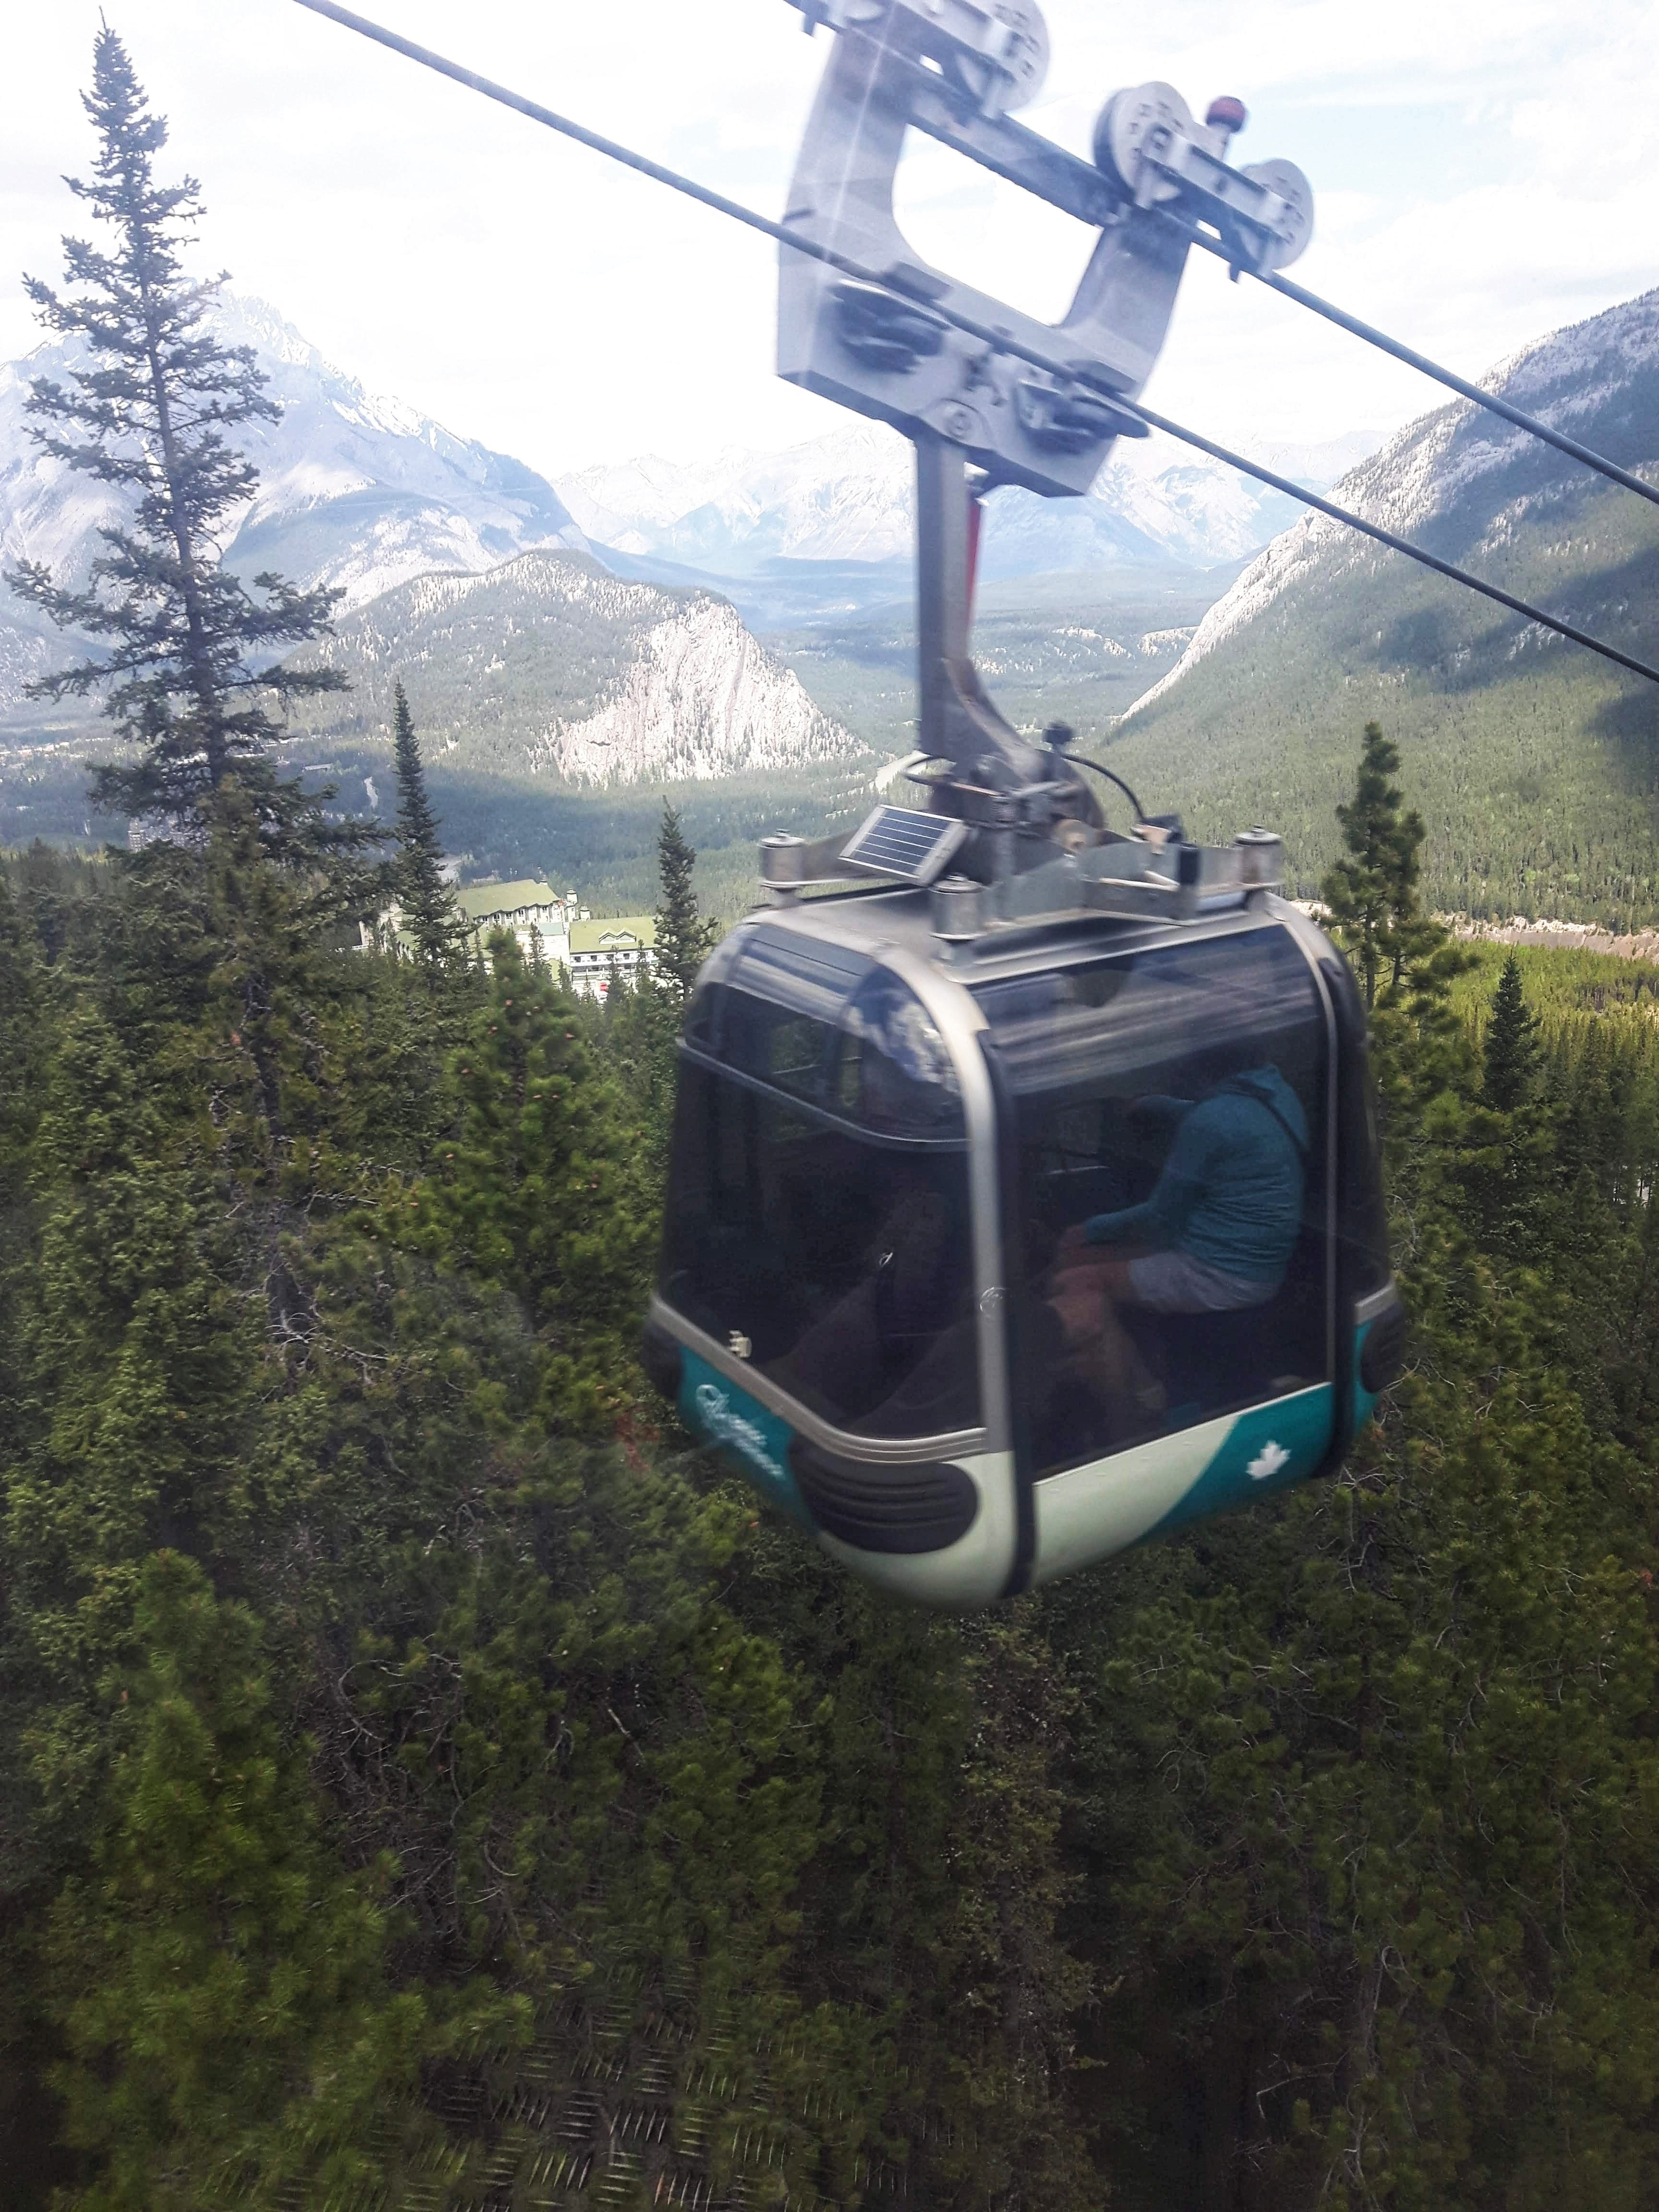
429 904
683 937
185 652
1372 893
1511 1042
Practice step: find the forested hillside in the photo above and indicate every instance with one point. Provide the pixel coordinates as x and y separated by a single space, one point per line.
1537 764
428 1783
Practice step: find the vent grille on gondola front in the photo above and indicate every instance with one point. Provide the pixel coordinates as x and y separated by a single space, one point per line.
904 1509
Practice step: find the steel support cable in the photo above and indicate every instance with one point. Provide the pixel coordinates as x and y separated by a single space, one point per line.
999 341
1490 400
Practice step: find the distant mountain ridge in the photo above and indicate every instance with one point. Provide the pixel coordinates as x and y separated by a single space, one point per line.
848 496
1536 763
364 493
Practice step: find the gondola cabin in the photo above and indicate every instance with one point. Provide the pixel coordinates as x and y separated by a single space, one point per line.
1023 1202
905 1150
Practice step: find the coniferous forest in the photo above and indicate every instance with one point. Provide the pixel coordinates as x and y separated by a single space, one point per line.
426 1781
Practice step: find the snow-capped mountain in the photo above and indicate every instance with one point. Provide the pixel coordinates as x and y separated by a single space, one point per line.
548 668
354 490
362 491
848 496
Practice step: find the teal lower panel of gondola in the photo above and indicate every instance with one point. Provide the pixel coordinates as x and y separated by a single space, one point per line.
755 1439
1090 1512
1267 1448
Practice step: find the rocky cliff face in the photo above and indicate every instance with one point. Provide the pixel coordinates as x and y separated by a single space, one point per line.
548 667
698 698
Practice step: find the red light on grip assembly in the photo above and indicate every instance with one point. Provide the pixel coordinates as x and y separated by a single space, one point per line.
1227 114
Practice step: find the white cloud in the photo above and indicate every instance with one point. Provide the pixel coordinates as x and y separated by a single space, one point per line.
1481 174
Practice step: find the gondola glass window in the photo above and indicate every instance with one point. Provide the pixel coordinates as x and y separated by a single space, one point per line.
818 1220
1169 1179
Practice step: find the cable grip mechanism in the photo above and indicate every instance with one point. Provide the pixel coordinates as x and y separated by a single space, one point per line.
889 342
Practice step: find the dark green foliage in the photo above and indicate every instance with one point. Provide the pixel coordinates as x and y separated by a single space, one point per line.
640 1027
415 1771
219 1977
537 1190
639 1033
20 1048
683 937
1372 894
174 635
430 912
1511 1044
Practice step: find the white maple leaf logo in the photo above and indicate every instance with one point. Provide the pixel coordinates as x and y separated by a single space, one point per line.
1268 1460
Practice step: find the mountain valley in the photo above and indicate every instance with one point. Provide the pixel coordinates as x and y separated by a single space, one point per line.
1077 648
739 632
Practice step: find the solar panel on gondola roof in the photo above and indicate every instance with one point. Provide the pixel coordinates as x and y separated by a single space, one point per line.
904 842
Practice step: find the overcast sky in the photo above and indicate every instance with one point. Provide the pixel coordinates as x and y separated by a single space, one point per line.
1482 171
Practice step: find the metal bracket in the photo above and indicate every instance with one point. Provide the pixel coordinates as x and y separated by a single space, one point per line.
1133 881
1131 878
878 343
953 68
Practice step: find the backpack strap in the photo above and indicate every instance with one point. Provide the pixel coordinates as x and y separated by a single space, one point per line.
1303 1144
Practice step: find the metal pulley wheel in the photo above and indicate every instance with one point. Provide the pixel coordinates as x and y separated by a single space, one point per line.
1012 60
1024 58
1142 119
1296 227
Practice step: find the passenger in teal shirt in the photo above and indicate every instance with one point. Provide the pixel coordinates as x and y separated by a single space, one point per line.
1230 1195
1216 1236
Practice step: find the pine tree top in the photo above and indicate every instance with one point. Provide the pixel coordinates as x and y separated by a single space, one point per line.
1372 894
683 937
1510 1051
189 661
430 914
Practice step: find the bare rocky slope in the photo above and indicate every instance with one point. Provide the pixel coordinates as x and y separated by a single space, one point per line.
550 669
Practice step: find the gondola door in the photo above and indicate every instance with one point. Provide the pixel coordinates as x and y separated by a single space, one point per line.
1167 1118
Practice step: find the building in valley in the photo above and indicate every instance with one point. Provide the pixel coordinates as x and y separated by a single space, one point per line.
621 945
531 910
528 909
